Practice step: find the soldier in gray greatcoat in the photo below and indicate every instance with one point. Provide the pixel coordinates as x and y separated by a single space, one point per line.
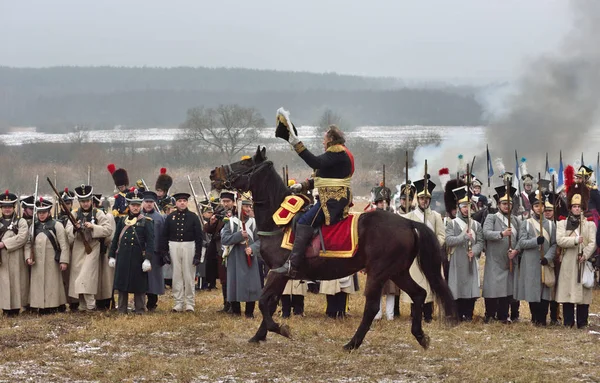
243 278
498 279
465 245
156 284
532 243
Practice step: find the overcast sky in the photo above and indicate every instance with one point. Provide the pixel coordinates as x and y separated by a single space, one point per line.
424 39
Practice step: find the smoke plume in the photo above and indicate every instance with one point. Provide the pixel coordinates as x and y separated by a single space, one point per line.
556 105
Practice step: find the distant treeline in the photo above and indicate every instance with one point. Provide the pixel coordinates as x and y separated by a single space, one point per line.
56 99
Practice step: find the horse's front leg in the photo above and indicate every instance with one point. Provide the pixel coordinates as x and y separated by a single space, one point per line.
373 297
267 305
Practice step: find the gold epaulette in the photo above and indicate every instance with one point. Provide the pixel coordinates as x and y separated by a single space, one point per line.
149 218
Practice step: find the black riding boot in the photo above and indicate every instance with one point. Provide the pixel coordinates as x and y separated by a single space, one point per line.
302 237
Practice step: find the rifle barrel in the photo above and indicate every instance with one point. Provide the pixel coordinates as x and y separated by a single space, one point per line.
64 207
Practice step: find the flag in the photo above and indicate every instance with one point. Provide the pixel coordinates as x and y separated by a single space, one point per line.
516 178
561 171
490 169
547 167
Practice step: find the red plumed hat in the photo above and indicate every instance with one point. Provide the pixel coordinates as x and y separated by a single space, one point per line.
164 181
119 176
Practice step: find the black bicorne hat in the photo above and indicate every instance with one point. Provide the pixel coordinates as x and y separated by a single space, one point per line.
283 125
43 204
8 198
84 192
134 196
67 195
28 201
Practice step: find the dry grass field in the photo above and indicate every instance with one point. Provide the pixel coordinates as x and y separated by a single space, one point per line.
206 346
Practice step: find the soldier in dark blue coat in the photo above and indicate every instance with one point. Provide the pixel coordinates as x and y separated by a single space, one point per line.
131 251
333 172
121 180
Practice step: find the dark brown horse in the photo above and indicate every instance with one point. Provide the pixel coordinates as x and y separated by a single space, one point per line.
388 244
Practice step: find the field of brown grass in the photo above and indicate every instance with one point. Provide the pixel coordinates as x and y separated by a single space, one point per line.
206 346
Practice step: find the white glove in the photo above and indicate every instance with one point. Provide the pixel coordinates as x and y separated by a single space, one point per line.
112 262
296 188
293 137
146 266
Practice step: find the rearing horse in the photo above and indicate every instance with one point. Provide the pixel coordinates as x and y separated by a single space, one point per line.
387 246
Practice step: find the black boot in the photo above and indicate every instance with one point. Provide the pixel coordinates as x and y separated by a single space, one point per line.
302 237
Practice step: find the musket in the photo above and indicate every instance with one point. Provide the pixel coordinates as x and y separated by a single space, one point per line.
507 183
198 208
554 220
406 186
287 176
89 175
283 174
385 206
203 189
32 228
55 204
155 204
541 198
469 244
519 183
65 208
426 192
580 249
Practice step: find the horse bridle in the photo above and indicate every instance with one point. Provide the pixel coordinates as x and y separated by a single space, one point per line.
231 176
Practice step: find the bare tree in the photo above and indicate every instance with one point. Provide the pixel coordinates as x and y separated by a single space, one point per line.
79 135
329 117
229 129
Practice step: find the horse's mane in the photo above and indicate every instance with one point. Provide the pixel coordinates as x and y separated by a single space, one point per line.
270 185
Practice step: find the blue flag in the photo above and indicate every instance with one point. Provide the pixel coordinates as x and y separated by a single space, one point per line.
489 164
561 170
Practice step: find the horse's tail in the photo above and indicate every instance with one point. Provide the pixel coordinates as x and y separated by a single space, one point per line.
430 261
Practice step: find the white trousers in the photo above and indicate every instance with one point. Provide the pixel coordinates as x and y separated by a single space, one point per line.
182 260
87 302
389 307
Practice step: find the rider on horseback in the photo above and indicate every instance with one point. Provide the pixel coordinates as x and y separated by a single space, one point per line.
333 171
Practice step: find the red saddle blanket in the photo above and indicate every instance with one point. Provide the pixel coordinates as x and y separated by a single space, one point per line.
341 239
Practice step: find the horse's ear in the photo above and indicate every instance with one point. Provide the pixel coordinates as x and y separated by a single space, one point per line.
263 152
257 151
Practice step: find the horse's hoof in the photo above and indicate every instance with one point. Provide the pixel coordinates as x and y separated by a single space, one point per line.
424 341
350 346
257 339
285 330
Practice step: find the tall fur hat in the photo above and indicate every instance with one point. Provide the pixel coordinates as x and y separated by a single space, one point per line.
449 198
577 193
119 176
164 181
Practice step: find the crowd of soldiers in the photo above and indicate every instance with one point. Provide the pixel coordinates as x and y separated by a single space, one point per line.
538 248
539 245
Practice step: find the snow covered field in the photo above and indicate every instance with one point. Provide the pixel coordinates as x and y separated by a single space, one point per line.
384 135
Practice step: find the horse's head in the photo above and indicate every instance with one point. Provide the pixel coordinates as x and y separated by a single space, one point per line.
237 175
